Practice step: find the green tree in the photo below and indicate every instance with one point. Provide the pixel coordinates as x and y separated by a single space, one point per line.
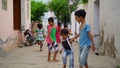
84 2
37 10
61 9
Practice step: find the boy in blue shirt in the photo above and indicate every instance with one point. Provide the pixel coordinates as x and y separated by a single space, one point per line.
85 38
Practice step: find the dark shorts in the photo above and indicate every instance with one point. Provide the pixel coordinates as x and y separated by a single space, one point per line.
53 45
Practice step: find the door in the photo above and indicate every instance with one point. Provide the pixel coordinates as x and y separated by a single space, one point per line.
17 14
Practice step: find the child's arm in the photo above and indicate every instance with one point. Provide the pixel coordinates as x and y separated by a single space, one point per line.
71 40
61 49
76 36
91 38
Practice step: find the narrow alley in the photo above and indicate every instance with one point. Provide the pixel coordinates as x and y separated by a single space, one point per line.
31 57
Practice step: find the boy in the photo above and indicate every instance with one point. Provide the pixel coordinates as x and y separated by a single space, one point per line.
51 39
85 38
68 48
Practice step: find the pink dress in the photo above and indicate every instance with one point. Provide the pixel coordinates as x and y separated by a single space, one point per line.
58 34
48 39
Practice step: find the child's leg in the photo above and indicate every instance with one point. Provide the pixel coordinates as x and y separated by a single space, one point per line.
71 58
55 45
64 66
64 58
86 65
83 56
41 44
49 52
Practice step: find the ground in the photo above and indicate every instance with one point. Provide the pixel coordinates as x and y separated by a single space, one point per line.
31 57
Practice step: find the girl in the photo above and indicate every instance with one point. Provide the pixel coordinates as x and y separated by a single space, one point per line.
40 35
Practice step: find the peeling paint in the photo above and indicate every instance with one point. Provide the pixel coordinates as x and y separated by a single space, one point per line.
7 41
110 47
107 47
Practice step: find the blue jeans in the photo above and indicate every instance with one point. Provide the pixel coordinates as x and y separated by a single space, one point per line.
71 58
83 55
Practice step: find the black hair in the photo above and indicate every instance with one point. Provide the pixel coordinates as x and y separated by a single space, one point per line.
59 23
64 32
39 25
65 26
50 19
80 12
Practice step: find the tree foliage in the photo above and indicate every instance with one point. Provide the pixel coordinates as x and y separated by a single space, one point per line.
62 9
84 1
37 10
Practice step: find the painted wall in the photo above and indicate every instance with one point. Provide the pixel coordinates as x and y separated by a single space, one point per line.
110 27
108 14
7 35
25 14
6 26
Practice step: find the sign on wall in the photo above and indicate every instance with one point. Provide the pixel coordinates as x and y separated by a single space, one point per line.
4 4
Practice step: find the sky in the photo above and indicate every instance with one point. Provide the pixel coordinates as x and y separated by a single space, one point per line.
44 1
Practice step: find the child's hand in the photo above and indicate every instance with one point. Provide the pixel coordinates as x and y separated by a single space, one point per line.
71 40
93 48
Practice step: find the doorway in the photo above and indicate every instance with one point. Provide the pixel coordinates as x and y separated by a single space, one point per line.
96 26
17 14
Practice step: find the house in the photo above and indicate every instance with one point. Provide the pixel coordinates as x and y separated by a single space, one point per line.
103 16
14 15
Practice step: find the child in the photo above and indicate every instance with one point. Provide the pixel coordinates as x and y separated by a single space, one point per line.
58 27
69 30
85 38
40 35
68 48
51 39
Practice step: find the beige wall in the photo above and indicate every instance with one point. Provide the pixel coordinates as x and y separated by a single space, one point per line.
7 34
110 24
109 33
6 20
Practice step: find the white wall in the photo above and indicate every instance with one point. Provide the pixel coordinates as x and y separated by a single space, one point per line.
110 22
25 14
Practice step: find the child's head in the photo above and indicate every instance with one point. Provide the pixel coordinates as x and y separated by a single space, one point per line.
59 24
65 26
40 26
80 15
51 21
64 34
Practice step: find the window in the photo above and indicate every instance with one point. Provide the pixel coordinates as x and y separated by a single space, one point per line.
4 4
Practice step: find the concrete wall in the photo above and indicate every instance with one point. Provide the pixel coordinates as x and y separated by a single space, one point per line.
25 14
107 13
109 27
7 34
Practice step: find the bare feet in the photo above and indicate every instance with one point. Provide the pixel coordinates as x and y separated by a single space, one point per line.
55 60
64 66
40 49
49 60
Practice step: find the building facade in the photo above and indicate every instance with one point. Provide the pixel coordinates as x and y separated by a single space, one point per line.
14 15
104 17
